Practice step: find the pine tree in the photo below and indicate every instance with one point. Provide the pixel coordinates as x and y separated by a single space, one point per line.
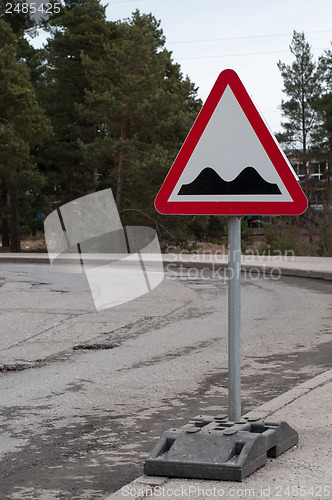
23 126
79 30
302 87
143 109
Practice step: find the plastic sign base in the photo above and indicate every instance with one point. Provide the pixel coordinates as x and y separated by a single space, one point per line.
214 448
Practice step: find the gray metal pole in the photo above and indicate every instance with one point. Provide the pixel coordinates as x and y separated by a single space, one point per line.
234 318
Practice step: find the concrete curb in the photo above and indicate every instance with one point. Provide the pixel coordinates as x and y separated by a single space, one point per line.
24 258
302 267
267 409
261 412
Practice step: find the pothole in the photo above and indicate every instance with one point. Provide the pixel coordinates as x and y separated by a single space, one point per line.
15 367
96 345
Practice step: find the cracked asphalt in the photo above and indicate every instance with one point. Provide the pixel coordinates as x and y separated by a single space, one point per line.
85 394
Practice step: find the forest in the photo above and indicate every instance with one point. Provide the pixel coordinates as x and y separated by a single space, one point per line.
103 105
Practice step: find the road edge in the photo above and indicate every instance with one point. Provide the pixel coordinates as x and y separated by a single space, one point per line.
267 265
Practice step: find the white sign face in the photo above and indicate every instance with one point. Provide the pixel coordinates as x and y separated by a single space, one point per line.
230 147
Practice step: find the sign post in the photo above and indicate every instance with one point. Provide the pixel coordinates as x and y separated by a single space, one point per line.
230 164
234 318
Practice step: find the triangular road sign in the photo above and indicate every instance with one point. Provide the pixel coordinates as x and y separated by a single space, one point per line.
230 162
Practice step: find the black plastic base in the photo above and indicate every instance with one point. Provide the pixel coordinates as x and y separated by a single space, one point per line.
214 448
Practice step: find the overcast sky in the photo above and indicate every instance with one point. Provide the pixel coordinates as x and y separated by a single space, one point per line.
249 36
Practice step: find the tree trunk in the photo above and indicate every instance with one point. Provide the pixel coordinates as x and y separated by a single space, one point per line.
304 155
328 176
4 216
15 241
120 183
121 167
94 175
94 172
310 225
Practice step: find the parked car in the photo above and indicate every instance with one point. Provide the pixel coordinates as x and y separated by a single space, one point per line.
255 220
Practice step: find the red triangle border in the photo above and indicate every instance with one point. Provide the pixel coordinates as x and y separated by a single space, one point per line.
295 207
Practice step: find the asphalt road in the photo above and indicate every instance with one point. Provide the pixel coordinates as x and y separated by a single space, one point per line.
85 394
